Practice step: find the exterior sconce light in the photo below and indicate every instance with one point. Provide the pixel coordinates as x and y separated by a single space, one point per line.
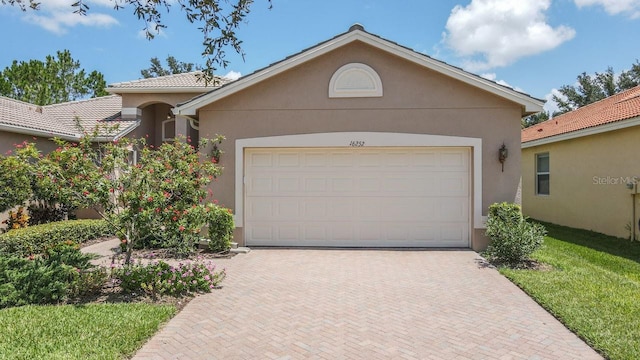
630 185
503 153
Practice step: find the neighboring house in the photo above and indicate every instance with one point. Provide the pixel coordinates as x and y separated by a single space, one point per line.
356 141
20 121
578 168
138 108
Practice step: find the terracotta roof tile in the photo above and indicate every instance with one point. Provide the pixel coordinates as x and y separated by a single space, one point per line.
624 105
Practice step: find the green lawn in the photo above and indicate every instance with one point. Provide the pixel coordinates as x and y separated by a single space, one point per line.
594 288
97 331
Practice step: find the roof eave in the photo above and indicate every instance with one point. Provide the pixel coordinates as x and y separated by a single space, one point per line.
617 125
38 133
158 90
119 135
530 105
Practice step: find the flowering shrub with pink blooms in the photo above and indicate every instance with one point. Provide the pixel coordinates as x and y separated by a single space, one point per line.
153 197
160 278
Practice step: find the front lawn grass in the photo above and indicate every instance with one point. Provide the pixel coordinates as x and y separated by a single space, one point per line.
593 288
93 331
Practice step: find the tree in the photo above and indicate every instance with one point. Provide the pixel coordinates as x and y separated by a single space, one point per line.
630 78
173 67
217 19
595 88
58 79
535 119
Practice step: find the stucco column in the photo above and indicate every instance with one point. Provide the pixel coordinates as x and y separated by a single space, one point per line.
130 113
182 127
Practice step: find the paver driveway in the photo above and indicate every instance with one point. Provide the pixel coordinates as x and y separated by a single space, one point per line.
363 304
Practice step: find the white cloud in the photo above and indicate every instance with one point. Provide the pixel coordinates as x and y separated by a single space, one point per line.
614 7
495 33
233 75
550 105
57 16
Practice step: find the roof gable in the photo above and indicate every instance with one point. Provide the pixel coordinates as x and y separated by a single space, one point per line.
593 118
356 33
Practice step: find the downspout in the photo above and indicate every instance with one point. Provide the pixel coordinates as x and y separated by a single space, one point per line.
195 123
633 186
633 212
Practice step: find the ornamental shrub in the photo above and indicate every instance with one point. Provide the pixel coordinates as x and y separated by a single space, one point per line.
17 219
42 212
36 239
220 222
43 279
513 238
15 177
160 278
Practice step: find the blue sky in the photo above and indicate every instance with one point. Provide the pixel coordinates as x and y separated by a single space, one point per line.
535 46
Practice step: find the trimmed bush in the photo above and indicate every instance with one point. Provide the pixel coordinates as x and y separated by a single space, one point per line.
220 222
36 239
513 238
49 278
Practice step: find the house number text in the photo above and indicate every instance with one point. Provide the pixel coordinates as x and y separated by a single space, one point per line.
356 143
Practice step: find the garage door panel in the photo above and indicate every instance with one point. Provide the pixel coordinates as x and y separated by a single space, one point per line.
453 160
454 185
453 233
342 185
261 160
260 185
315 185
288 184
287 208
342 159
288 160
358 197
452 209
314 209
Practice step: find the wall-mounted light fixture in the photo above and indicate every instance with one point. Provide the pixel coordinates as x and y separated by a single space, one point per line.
503 153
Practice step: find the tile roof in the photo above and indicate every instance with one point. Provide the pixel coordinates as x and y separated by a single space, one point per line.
62 120
170 82
622 106
27 116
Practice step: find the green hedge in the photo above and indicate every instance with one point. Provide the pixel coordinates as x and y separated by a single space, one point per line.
36 239
220 222
62 272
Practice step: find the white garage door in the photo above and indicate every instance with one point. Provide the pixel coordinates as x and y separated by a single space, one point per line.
362 197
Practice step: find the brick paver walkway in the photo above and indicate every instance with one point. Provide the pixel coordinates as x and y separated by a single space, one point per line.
363 304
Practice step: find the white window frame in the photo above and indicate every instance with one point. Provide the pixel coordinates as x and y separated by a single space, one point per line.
164 122
539 173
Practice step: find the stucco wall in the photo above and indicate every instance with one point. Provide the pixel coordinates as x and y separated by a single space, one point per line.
416 100
140 100
9 140
588 178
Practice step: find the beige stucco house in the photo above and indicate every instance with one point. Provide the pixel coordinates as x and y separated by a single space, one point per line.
581 169
356 141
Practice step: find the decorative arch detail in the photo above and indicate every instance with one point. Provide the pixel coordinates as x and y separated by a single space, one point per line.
355 80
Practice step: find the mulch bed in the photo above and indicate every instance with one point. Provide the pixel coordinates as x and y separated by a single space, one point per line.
111 293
